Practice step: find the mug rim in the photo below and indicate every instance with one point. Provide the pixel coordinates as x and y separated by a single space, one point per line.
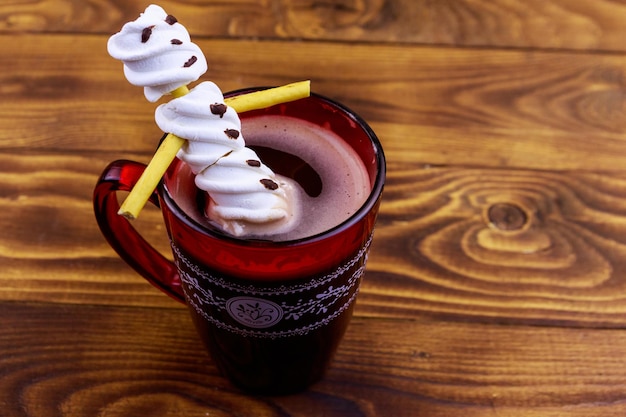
357 216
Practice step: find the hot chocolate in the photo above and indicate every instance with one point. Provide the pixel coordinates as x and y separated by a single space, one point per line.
328 179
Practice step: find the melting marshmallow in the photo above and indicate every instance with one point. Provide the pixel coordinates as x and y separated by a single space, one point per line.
242 189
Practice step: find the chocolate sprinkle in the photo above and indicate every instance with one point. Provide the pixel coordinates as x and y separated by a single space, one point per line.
176 42
190 62
219 109
170 19
253 163
269 184
232 133
146 33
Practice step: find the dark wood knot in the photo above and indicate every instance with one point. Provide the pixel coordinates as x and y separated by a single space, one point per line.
506 216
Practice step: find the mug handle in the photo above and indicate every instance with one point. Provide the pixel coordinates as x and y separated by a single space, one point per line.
122 175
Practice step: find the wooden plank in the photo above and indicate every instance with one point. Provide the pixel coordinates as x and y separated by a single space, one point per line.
483 244
561 24
544 110
79 361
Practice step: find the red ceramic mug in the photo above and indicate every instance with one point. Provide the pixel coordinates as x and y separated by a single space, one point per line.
271 314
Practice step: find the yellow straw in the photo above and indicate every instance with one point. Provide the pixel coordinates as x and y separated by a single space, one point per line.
165 154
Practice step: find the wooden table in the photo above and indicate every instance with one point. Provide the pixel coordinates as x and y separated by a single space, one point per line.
496 284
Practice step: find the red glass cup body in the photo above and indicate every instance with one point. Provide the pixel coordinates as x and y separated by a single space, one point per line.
270 313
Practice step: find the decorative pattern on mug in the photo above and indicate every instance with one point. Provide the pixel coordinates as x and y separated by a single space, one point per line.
271 311
254 312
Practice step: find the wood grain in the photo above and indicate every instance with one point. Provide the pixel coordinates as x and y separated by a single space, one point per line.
77 361
510 245
495 108
554 24
51 247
